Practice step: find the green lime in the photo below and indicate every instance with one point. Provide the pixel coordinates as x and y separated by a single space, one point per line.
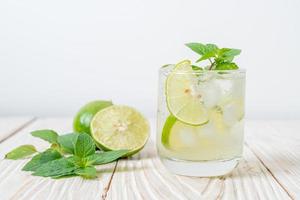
177 135
170 121
84 116
120 127
184 100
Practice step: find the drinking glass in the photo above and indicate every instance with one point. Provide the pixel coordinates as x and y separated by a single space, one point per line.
215 146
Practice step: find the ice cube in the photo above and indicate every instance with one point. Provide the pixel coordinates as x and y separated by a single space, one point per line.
238 88
231 113
207 130
210 93
188 137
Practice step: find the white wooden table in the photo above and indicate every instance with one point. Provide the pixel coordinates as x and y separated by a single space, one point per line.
270 169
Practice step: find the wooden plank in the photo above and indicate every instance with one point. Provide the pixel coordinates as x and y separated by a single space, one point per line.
144 177
11 125
277 144
17 184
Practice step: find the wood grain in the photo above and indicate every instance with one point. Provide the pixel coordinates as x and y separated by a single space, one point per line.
277 144
144 177
9 126
17 184
270 169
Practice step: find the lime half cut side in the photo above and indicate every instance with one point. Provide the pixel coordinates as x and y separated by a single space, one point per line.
184 99
120 127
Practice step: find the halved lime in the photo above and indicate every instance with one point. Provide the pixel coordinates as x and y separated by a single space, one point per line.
184 100
120 127
84 116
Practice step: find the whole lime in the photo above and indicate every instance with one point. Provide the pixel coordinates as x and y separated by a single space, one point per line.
84 116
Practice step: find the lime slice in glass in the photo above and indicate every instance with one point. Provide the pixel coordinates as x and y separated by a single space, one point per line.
184 100
170 121
120 127
177 135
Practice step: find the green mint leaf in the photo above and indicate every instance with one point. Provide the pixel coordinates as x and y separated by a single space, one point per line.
211 51
41 158
84 146
105 157
57 147
211 48
67 142
222 51
222 56
196 68
227 55
65 175
220 59
21 152
56 168
48 135
197 47
232 52
206 56
87 172
226 66
78 161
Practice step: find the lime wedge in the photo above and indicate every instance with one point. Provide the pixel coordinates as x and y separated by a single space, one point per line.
120 127
184 100
167 129
177 135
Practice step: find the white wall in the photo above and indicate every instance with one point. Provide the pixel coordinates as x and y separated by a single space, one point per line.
56 55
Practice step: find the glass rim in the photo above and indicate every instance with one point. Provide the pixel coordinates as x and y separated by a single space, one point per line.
165 70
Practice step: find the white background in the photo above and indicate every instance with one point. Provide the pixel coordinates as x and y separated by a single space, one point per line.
57 55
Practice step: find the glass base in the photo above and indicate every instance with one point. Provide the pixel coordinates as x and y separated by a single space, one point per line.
200 168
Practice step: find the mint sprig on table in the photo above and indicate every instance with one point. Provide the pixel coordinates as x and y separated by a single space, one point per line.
71 154
219 58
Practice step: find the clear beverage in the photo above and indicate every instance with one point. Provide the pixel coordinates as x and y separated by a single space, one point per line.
214 147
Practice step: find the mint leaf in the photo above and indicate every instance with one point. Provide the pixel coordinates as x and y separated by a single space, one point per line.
196 68
232 52
57 147
21 152
84 146
206 56
220 59
226 66
105 157
78 161
87 172
41 158
197 47
56 168
48 135
211 50
65 175
227 55
67 142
